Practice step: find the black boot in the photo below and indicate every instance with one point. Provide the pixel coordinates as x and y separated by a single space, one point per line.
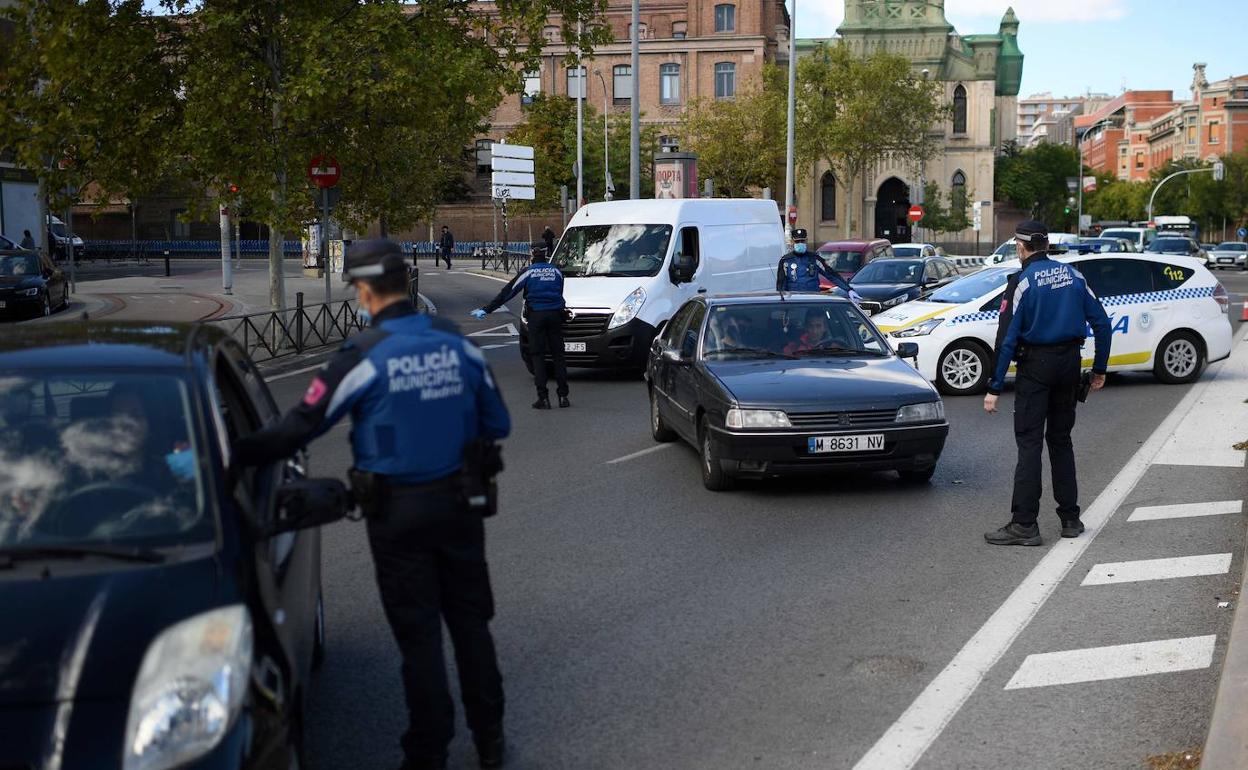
1072 527
1014 534
564 403
542 402
491 748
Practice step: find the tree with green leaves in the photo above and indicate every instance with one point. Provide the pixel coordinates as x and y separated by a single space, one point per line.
1034 180
945 212
741 142
854 112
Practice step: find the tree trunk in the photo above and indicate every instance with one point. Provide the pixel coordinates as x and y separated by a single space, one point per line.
849 207
277 277
381 223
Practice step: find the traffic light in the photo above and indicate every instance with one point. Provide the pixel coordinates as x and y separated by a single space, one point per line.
234 189
1069 202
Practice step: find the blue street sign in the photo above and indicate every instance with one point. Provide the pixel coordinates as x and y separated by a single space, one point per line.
1243 232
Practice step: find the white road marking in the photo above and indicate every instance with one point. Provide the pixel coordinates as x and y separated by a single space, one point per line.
483 275
505 330
1205 439
906 740
1186 510
1110 573
1115 662
498 345
433 309
642 453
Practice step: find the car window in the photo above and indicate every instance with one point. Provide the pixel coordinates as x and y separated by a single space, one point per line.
843 261
890 271
689 337
789 329
100 457
678 323
1232 247
619 249
1167 276
1117 277
972 286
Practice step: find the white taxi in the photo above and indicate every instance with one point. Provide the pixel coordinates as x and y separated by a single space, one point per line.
1168 313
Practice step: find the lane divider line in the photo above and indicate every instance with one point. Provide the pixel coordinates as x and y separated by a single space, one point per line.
907 739
642 453
1119 661
1111 573
1186 510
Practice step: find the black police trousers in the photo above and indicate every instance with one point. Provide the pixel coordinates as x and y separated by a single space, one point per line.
1045 393
546 338
429 553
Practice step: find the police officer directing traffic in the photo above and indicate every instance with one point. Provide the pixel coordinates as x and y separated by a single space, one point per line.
421 397
1052 309
542 284
799 270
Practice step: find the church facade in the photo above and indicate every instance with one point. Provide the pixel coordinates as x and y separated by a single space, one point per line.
980 76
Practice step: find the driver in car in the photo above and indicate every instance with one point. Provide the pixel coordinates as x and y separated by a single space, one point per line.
151 461
816 335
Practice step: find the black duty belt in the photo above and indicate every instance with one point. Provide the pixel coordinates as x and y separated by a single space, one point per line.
1054 346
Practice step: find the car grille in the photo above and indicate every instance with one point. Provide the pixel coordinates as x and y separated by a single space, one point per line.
843 420
585 325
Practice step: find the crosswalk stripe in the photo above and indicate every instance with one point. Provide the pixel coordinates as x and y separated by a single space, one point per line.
1110 573
1185 510
1118 661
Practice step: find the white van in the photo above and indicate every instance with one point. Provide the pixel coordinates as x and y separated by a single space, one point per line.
629 265
1140 236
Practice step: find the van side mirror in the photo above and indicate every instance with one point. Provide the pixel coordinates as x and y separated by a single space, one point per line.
308 503
908 350
682 269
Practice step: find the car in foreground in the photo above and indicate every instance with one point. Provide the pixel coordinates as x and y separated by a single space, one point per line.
769 385
159 610
886 283
914 250
848 257
1230 254
30 285
1168 313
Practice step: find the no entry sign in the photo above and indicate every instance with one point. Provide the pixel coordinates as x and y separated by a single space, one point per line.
324 171
916 213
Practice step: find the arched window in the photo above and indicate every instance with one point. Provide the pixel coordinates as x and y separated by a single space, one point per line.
959 110
827 197
957 193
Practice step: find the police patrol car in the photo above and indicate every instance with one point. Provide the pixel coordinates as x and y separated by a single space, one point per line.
1169 316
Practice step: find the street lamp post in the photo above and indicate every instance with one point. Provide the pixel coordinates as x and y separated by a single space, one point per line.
788 152
634 137
1079 141
606 146
1216 170
580 122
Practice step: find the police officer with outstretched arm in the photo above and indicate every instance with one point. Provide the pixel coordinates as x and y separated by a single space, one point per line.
542 284
799 270
1052 309
424 408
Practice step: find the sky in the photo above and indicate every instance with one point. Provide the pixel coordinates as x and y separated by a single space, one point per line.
1073 46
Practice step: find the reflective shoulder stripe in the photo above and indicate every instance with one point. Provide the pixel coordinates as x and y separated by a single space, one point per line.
1023 283
356 380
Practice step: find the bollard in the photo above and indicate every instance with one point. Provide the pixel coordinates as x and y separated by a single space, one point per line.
298 322
167 273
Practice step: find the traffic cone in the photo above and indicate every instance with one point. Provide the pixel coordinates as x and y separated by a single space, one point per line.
1243 316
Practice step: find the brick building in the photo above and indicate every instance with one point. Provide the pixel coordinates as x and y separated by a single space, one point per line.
1115 137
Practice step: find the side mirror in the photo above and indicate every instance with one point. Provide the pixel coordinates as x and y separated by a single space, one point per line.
908 350
308 503
673 355
682 269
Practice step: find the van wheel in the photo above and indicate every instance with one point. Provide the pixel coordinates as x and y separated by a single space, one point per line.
658 428
1179 359
714 477
962 370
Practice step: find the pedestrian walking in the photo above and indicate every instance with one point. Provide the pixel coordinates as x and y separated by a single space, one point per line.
542 284
799 270
446 246
548 240
28 241
1049 313
423 404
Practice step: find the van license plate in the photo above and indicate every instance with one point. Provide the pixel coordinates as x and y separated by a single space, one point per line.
574 347
870 442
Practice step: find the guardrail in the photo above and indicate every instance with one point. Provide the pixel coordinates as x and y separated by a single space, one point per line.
969 261
184 248
273 334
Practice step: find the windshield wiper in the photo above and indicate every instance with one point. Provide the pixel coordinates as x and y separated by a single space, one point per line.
754 351
827 350
10 556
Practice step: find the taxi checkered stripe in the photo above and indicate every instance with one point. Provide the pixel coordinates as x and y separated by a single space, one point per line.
1159 296
983 315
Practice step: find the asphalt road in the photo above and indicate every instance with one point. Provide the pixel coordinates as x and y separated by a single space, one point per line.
644 622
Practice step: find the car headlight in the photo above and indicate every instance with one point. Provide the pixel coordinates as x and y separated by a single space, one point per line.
930 411
757 418
189 689
28 292
920 329
629 308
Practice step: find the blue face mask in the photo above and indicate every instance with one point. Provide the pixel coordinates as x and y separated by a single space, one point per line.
365 317
800 248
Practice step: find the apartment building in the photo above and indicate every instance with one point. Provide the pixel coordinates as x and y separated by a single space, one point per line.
1039 115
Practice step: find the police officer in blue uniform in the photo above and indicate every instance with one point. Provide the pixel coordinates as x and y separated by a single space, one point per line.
1052 310
799 270
542 284
419 395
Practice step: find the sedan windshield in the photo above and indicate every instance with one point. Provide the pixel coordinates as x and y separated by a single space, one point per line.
1232 246
618 250
1170 246
908 251
891 271
19 265
98 459
789 330
973 286
843 261
1009 250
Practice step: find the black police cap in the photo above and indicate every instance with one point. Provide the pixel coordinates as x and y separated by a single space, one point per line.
799 234
373 258
538 250
1031 231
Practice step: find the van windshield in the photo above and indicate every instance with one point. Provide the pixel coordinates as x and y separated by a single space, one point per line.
613 250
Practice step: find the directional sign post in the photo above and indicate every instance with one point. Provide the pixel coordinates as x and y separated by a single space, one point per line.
511 179
324 172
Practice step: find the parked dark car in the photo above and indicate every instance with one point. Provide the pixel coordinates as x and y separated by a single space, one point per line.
155 614
1176 244
30 285
767 386
1098 246
848 257
884 283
